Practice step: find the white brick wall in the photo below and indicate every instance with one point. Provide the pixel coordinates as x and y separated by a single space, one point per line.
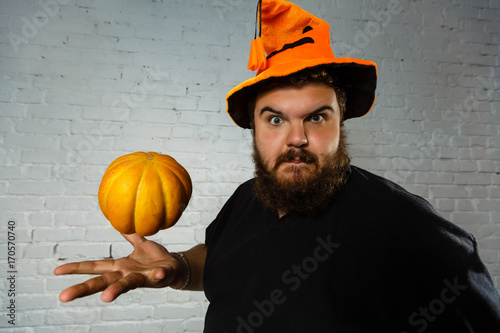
83 82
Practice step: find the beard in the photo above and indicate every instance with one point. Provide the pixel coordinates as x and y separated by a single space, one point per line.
304 192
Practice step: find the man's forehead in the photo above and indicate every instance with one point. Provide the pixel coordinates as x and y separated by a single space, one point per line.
296 89
301 102
314 91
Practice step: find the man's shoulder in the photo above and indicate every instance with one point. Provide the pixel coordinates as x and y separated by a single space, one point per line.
394 205
380 191
241 196
404 216
372 181
245 188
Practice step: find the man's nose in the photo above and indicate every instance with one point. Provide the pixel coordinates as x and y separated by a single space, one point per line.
297 136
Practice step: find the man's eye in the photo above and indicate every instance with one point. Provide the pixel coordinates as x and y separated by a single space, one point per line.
317 118
275 120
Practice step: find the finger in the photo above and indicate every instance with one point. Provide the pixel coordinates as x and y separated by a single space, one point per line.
159 274
129 282
89 287
134 239
85 267
160 277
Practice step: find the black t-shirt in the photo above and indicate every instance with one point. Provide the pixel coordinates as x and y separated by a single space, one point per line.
378 260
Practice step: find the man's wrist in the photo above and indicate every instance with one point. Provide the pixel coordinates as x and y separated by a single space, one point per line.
186 276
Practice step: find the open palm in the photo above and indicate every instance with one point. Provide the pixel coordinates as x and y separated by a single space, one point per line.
149 265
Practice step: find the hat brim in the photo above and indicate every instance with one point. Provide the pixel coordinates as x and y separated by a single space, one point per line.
357 77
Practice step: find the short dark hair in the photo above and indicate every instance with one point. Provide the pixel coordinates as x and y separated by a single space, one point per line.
298 79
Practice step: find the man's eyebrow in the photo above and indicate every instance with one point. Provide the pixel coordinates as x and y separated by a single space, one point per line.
321 109
270 109
310 114
318 110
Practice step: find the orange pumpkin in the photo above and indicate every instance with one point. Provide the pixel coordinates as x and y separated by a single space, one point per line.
144 193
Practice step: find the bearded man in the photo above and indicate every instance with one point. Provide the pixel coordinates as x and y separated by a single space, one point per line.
300 162
312 243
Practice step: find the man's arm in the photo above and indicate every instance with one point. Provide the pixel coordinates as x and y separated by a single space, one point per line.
150 265
196 260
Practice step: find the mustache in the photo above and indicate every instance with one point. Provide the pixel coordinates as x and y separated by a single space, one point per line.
302 154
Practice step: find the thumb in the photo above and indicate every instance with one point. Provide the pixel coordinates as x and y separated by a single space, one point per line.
134 239
163 276
160 274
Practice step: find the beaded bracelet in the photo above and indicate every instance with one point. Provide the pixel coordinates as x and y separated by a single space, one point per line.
183 257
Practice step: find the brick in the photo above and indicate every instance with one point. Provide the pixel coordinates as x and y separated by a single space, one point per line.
120 313
103 234
195 325
192 119
156 296
178 235
21 203
75 250
115 114
445 205
70 316
54 112
489 205
152 130
3 188
473 179
70 328
23 235
475 37
71 218
35 302
124 327
434 178
31 318
176 311
448 191
470 218
120 249
82 188
39 251
34 187
71 203
186 104
204 37
154 116
7 126
139 144
51 235
31 141
29 97
209 104
183 132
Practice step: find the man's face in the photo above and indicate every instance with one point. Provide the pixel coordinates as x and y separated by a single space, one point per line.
301 161
290 120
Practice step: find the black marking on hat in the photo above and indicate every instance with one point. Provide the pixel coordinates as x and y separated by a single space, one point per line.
306 29
305 40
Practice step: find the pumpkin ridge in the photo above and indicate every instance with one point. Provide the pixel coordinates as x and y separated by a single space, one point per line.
137 190
163 194
176 170
122 160
113 179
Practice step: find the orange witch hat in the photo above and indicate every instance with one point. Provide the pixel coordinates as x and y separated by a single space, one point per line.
290 40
